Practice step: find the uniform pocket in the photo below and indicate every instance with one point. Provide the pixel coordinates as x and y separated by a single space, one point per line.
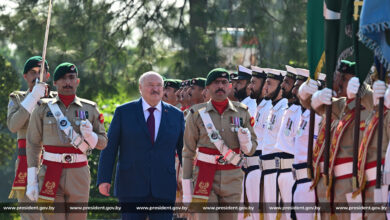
50 126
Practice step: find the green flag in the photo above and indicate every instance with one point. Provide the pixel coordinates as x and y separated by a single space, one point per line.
348 46
315 37
332 24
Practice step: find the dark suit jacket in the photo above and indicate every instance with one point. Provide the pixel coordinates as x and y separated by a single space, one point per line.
143 168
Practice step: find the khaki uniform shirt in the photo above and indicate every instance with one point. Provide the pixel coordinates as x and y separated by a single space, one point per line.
195 134
43 128
17 115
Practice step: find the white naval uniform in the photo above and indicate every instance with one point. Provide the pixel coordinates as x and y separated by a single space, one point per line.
285 143
270 134
252 105
303 194
252 182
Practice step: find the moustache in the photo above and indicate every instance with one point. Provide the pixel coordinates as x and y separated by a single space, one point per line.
155 93
220 90
67 87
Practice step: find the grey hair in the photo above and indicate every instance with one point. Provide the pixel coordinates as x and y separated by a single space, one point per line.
149 73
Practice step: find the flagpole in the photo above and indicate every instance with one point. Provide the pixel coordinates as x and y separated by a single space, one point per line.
380 133
356 131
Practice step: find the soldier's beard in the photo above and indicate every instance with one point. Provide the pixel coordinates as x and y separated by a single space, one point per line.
287 95
296 100
272 96
240 94
255 94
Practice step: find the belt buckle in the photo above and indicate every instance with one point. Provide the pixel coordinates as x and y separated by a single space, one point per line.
67 158
220 160
294 173
260 164
277 162
245 162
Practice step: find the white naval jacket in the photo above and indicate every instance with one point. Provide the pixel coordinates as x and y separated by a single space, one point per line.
302 136
273 124
262 112
288 129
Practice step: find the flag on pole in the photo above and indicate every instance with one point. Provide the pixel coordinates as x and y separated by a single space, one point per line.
315 37
375 29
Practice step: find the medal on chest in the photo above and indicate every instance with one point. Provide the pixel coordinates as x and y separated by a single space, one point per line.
236 123
272 122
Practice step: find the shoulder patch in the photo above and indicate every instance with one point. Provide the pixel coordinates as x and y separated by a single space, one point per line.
88 101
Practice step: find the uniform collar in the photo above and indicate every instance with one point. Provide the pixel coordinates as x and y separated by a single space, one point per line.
281 103
209 106
76 100
294 107
246 100
306 113
263 102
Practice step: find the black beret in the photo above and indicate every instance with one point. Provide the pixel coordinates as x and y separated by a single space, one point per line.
32 62
216 73
199 82
172 83
63 69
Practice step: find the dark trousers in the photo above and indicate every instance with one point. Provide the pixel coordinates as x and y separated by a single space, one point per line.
139 203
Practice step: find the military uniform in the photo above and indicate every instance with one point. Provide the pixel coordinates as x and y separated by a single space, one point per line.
17 121
65 133
59 156
301 191
341 151
225 184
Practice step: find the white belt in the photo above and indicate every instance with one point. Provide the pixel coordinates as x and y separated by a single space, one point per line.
251 161
370 174
300 173
64 158
346 169
340 169
277 163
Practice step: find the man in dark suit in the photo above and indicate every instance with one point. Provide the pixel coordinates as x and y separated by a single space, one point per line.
146 133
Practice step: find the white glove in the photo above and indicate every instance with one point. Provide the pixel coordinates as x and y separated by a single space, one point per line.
321 97
379 88
307 89
90 136
387 98
32 98
187 191
32 184
244 137
353 87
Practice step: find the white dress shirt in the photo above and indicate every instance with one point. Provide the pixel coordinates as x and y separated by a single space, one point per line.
156 113
263 110
252 105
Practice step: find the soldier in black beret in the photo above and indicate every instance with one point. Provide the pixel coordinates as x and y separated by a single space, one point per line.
344 73
20 106
197 87
170 88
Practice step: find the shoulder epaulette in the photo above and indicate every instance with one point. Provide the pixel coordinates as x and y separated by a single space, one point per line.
14 94
88 101
239 104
